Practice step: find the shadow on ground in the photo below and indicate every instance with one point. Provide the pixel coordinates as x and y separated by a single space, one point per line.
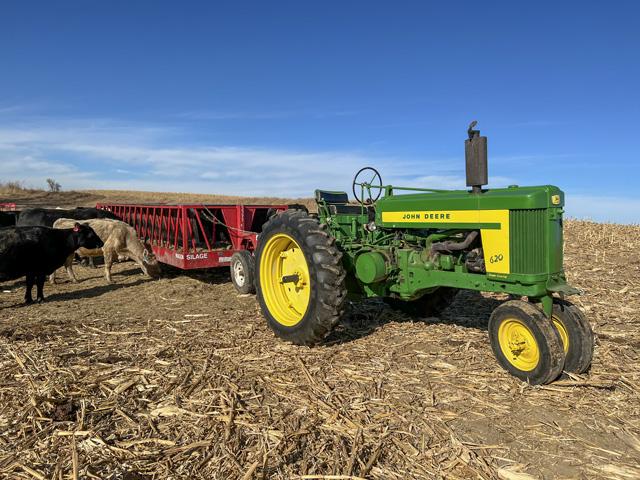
214 276
93 291
469 309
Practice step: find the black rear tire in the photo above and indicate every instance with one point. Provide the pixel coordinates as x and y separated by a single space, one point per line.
327 293
429 305
243 272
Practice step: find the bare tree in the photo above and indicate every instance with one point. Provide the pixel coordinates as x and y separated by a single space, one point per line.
53 185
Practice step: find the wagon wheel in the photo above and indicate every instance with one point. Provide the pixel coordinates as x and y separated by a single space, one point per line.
243 272
367 178
300 278
526 343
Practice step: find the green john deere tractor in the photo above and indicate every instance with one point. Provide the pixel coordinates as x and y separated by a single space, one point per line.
416 250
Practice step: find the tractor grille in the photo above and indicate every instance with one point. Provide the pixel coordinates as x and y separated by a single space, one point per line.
527 241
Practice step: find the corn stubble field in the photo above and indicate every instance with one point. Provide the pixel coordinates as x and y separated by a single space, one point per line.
181 378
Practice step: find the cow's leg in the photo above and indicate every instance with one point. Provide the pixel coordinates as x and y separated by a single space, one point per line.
108 261
40 279
68 265
27 296
91 264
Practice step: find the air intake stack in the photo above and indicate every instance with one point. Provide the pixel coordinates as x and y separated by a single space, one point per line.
475 152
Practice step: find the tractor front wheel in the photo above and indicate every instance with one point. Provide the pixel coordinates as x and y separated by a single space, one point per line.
300 278
576 335
526 343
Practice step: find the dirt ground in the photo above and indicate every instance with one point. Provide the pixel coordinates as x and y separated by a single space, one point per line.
180 378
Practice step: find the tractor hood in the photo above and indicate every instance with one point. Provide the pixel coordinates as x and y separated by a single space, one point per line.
511 198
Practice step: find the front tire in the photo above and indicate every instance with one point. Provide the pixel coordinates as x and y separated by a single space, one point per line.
576 335
300 278
526 343
243 272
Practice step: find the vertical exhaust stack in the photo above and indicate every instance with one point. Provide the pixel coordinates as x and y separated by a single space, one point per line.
475 152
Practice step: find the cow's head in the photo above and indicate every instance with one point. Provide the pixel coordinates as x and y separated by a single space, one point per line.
150 263
86 237
99 213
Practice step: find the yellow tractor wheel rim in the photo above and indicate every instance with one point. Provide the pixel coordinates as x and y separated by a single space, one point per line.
284 279
562 330
518 344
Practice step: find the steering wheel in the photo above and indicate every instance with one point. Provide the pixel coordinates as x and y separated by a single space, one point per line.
365 185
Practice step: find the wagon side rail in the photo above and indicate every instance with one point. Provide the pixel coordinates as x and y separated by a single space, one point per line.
195 236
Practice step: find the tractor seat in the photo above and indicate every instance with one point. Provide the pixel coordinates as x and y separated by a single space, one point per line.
337 202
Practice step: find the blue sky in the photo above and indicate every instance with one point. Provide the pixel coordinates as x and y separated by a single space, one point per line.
280 98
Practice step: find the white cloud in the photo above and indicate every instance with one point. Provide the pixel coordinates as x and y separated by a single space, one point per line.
114 155
455 182
530 160
34 170
86 156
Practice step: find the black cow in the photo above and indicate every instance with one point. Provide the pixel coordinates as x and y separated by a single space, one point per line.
46 217
38 251
8 219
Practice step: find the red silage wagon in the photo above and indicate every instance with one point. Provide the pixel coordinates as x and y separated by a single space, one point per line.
199 236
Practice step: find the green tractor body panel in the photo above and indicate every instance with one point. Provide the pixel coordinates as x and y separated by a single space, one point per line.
407 245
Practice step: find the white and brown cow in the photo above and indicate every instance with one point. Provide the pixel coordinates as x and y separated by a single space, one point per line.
119 239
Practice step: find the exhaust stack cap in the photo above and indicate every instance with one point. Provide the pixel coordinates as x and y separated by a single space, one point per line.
475 152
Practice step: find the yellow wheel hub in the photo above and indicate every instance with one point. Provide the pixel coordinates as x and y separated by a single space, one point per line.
284 279
518 344
564 334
